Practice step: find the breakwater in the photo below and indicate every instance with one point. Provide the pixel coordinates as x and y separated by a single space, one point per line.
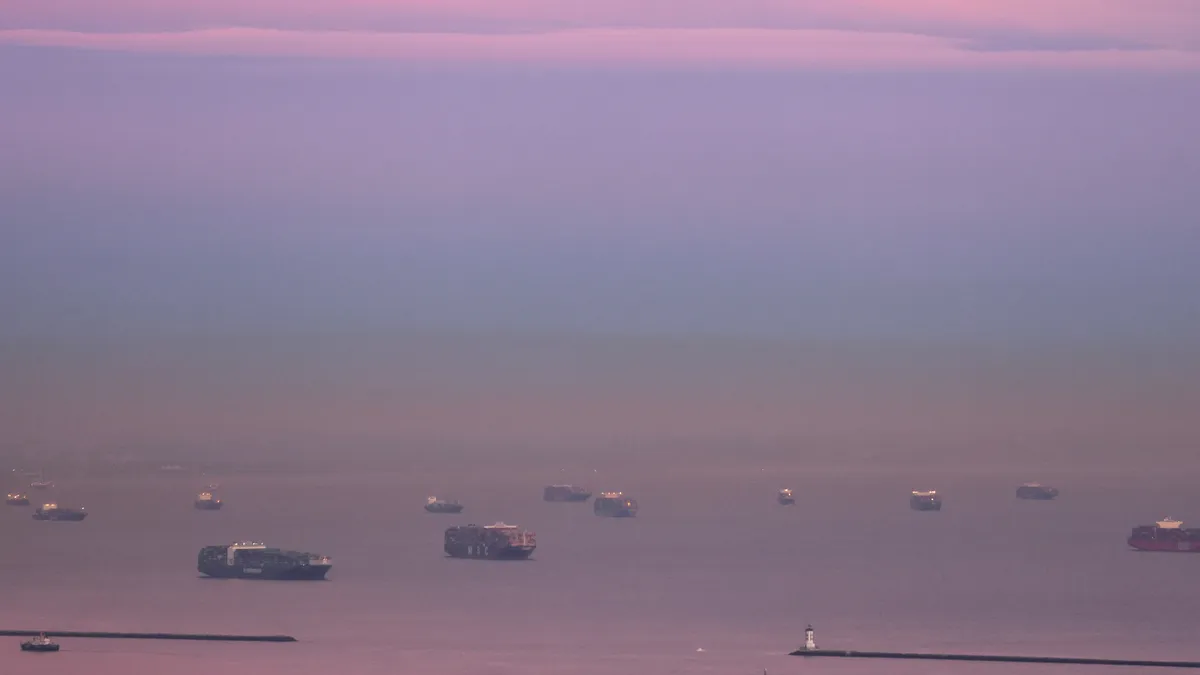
212 637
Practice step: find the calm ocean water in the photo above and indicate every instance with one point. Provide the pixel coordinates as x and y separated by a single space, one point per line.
710 563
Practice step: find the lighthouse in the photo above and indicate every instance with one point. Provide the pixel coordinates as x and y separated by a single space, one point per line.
810 641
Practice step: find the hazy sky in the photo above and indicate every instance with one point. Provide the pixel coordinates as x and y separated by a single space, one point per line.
223 176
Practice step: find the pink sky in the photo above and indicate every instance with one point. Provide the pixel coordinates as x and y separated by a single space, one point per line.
811 34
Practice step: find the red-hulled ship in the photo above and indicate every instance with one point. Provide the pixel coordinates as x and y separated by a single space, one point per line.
1166 535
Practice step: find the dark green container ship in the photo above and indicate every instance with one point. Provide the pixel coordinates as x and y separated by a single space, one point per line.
254 560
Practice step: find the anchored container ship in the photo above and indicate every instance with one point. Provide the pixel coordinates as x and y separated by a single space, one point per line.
925 500
1167 536
614 505
56 512
489 542
435 505
565 493
17 499
253 560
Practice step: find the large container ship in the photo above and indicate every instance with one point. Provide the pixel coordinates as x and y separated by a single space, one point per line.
614 505
1036 491
565 493
490 542
435 505
925 500
1166 535
254 560
56 512
205 501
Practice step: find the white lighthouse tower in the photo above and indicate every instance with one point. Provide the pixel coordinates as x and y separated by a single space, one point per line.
810 640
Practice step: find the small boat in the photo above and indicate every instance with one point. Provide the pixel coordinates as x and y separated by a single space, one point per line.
205 501
435 505
41 643
17 499
41 484
785 497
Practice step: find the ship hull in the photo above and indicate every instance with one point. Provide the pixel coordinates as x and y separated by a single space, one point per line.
490 553
268 573
580 497
208 506
926 506
449 508
1165 546
28 647
787 501
621 513
17 502
60 517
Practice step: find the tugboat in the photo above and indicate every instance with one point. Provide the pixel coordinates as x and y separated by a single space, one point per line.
785 497
435 505
205 501
41 643
17 499
59 513
489 542
925 500
1036 491
565 493
614 505
253 560
1167 535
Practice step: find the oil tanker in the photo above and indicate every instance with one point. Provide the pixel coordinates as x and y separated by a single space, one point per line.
1166 535
565 493
489 542
614 505
254 560
60 513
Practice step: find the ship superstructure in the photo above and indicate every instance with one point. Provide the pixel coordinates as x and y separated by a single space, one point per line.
1167 535
565 493
1036 491
499 541
925 500
255 560
614 505
17 499
785 497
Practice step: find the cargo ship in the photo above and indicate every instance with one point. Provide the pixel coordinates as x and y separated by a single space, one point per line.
253 560
56 512
41 484
1166 535
41 643
614 505
565 493
785 497
435 505
205 501
489 542
1036 491
925 500
17 499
